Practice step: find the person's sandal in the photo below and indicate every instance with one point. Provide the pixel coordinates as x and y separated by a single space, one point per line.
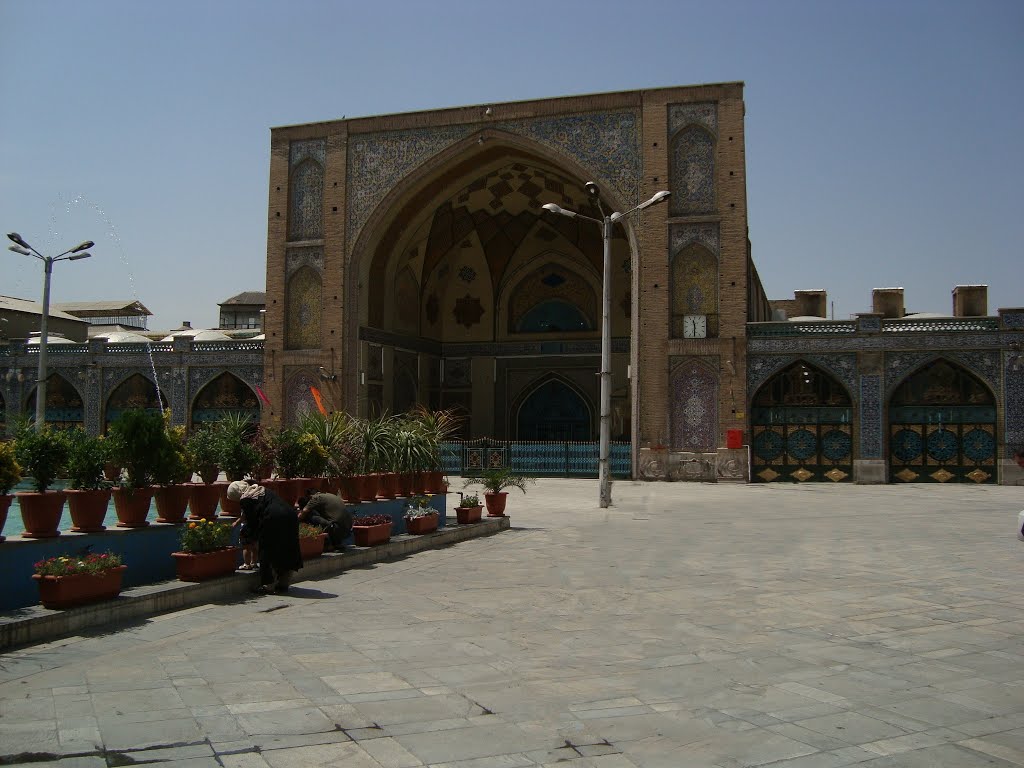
262 589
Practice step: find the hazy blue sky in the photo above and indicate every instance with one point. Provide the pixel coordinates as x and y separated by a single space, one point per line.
883 138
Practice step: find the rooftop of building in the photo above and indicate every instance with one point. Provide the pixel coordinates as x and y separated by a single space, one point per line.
102 308
245 298
13 304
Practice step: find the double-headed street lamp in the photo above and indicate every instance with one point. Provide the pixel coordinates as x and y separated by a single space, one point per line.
605 222
72 254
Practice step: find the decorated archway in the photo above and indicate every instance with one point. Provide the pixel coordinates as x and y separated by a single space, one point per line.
460 264
802 422
136 391
553 410
64 407
942 427
223 395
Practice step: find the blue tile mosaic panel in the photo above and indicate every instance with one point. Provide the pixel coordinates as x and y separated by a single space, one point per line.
871 408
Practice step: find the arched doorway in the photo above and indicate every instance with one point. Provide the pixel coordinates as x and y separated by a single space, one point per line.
134 392
942 427
223 395
64 407
802 421
461 268
554 411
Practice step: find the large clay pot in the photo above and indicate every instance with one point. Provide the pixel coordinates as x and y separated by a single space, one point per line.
209 473
350 489
421 525
5 505
466 515
496 503
371 535
312 546
405 484
172 503
228 508
434 482
202 501
88 509
200 566
387 485
132 506
419 483
112 472
40 513
368 486
79 589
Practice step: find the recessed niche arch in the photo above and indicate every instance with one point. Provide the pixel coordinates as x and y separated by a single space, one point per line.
802 424
554 409
136 391
64 406
304 303
224 394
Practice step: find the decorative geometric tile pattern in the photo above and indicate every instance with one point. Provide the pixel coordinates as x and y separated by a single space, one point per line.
682 235
982 363
835 474
1013 320
298 398
942 475
692 172
694 288
907 475
306 201
468 311
801 475
1013 401
467 274
311 256
836 445
979 445
458 372
694 388
304 307
869 324
871 416
794 343
606 143
703 113
768 474
978 475
308 149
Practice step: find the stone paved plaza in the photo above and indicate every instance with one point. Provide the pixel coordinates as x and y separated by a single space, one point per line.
690 625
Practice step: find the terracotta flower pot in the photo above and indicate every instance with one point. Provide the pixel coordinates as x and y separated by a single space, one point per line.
350 489
200 566
405 484
112 472
496 503
387 485
466 515
132 506
209 473
88 509
312 546
289 489
421 525
79 589
5 505
202 501
40 513
419 483
434 482
171 503
368 486
371 535
228 508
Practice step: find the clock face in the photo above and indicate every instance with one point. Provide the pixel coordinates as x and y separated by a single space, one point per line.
695 326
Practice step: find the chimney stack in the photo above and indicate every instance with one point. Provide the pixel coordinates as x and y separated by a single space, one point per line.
813 303
888 302
970 301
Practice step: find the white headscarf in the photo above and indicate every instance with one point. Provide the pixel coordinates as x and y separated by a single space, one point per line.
240 489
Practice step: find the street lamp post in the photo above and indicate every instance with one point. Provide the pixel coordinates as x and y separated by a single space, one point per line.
606 223
72 254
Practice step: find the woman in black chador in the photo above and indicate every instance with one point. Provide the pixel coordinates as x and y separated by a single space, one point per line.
276 526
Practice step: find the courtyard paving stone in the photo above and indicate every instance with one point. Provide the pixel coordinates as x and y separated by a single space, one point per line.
689 625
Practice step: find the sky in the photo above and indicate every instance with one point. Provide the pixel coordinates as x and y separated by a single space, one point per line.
883 138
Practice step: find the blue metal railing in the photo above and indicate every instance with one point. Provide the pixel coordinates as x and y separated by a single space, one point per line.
555 458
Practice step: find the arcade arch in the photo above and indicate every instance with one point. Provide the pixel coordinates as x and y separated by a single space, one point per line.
64 406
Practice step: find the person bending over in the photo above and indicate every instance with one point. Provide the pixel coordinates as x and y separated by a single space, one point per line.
327 511
277 529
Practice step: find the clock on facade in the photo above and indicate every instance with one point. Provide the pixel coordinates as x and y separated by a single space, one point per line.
695 326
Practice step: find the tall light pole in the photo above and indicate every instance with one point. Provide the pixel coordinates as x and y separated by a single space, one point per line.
605 222
72 254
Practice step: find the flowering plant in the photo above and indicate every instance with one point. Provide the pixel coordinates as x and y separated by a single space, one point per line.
418 507
93 563
205 536
372 520
307 531
469 501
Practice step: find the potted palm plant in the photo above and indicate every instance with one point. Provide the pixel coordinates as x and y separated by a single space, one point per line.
171 475
10 474
88 490
437 427
42 453
237 455
495 481
202 450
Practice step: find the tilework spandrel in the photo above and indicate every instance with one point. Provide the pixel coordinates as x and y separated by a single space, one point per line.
304 310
